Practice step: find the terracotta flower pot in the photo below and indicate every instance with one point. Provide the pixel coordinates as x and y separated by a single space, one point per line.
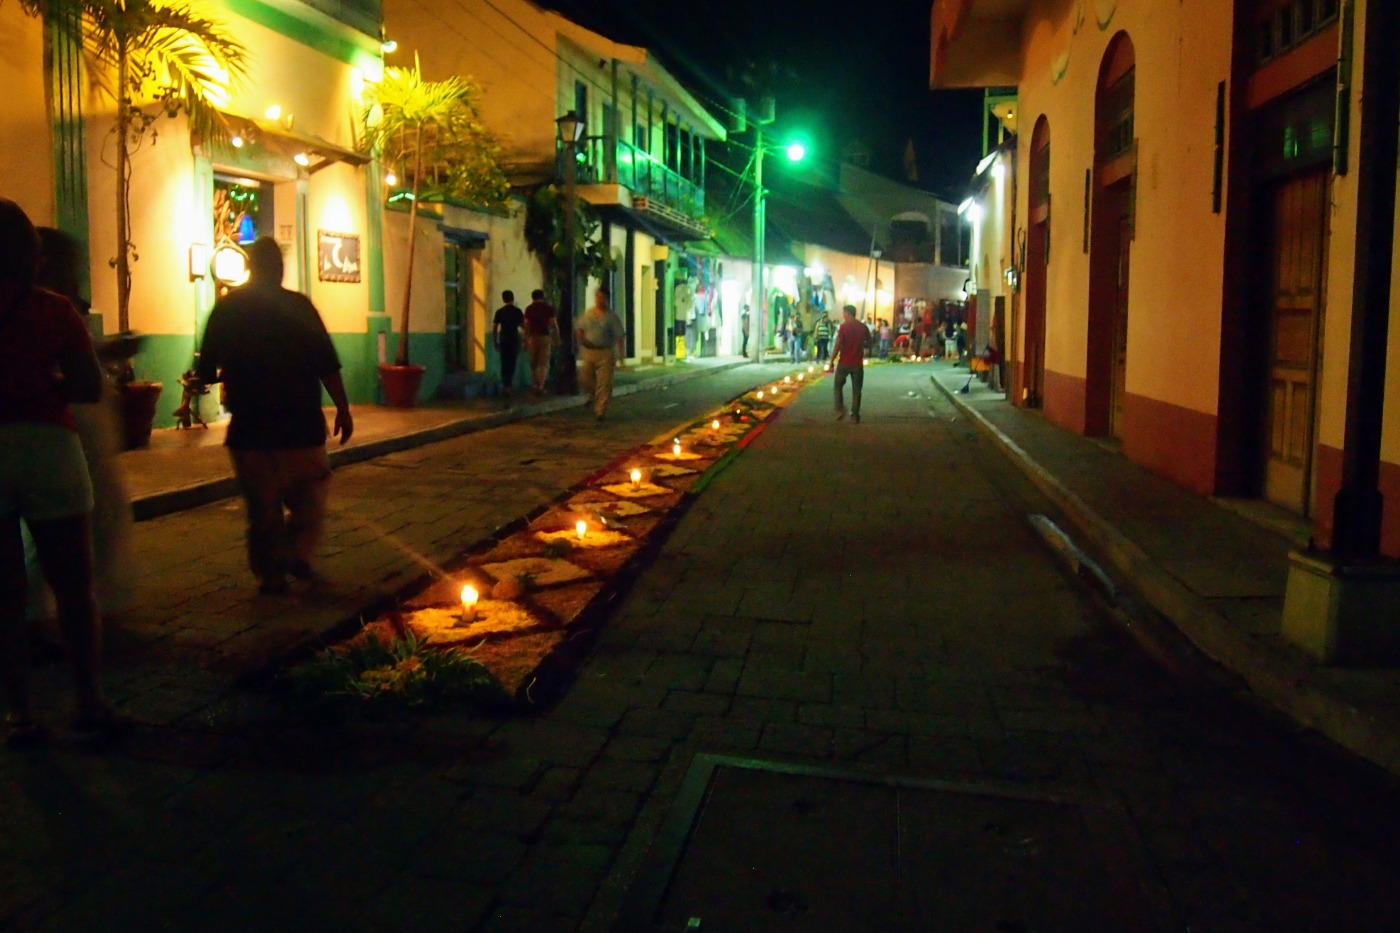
138 408
401 384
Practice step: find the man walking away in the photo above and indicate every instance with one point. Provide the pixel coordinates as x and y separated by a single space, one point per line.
599 331
541 333
506 334
270 348
852 337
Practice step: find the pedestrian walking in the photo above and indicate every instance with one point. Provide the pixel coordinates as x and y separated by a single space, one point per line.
505 334
823 331
99 431
852 337
541 334
599 333
744 330
797 337
46 363
269 347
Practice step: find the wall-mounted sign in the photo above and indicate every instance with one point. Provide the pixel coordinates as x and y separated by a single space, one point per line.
338 257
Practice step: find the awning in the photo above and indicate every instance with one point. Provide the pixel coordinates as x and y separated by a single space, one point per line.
311 152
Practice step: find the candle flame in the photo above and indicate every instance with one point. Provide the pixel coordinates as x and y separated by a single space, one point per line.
760 396
636 477
715 424
787 378
469 596
676 449
581 528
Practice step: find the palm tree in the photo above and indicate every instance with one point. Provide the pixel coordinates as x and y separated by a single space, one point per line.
151 57
424 128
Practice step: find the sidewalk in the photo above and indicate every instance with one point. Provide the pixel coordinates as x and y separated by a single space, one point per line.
1216 569
184 469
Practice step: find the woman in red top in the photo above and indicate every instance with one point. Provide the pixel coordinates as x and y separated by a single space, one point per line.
46 361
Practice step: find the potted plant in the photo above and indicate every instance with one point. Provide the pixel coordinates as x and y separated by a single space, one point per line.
151 58
430 132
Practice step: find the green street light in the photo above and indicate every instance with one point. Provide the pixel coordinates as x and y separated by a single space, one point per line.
796 152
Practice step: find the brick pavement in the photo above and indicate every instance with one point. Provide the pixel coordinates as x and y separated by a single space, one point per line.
868 596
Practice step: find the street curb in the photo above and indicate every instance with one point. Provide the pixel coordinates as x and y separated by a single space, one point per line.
183 498
1281 681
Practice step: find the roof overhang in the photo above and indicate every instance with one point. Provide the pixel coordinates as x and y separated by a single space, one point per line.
976 43
311 152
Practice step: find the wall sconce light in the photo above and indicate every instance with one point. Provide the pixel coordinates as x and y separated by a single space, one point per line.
302 159
199 260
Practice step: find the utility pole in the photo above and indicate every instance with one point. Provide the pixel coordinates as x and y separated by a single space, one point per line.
758 314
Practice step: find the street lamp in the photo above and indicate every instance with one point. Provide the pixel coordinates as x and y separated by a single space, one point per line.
570 127
796 152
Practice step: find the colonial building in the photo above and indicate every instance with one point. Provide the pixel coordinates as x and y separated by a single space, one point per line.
1185 232
291 172
640 159
1202 226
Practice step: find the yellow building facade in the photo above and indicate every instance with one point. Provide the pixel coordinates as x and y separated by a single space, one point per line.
290 171
639 160
1182 232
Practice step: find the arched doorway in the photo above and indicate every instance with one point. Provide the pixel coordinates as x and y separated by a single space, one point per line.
1036 260
1110 238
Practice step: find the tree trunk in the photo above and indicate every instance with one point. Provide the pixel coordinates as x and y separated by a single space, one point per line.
401 357
123 130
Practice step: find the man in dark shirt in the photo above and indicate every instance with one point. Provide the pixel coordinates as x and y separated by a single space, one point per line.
506 330
541 332
268 346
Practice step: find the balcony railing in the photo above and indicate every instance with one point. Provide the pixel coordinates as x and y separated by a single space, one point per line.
639 172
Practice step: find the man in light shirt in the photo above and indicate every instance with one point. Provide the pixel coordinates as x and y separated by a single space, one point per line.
599 332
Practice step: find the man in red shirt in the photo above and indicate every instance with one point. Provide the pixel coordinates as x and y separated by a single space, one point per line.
852 337
541 332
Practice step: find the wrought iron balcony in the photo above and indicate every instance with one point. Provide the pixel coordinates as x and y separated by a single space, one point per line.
638 172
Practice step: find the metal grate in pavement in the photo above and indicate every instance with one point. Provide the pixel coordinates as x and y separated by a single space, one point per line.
764 846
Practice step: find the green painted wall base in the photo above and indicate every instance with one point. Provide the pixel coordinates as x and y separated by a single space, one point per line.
165 357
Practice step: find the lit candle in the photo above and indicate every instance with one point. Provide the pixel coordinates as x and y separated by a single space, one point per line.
581 528
787 378
636 478
676 448
714 425
760 396
469 598
799 376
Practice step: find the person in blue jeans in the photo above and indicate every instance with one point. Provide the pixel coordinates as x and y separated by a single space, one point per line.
795 338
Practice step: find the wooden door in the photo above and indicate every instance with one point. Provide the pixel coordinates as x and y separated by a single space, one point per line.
1298 215
1118 386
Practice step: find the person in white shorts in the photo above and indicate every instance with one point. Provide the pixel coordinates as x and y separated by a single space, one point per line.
46 361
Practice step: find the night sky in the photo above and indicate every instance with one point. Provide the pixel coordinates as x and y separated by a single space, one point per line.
844 78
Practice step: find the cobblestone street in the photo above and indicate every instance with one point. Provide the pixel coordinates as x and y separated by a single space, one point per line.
864 598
